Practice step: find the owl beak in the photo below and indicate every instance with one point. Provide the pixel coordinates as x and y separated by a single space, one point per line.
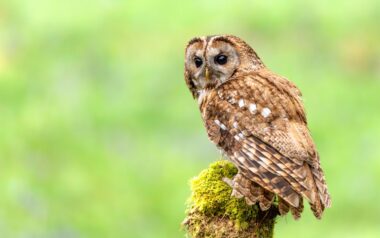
207 74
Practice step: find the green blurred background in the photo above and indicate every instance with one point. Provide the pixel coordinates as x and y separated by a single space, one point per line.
99 134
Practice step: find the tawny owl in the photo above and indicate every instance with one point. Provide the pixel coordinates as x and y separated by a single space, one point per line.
257 119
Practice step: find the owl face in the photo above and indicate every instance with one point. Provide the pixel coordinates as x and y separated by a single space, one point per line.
213 60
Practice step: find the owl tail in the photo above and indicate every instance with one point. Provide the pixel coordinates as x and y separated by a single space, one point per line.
322 197
284 207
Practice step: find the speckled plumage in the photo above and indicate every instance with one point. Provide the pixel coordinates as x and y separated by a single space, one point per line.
258 120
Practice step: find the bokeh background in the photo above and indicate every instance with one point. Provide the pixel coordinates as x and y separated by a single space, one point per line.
99 134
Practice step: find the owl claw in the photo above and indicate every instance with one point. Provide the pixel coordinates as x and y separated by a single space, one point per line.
236 193
232 183
249 201
228 181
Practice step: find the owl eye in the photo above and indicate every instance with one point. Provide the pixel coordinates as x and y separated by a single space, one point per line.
198 61
220 59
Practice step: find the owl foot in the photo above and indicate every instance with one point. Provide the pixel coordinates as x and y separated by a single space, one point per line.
252 193
241 188
233 184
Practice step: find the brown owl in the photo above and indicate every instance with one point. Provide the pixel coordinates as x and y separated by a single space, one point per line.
257 119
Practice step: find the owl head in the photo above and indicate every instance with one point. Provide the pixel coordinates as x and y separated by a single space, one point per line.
213 60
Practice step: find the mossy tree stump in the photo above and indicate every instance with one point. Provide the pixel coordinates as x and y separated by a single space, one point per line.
213 212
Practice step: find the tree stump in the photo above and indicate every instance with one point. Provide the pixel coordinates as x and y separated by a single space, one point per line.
213 212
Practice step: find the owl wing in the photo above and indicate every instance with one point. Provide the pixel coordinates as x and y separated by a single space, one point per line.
260 123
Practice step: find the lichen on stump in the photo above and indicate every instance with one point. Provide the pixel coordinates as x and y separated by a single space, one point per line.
213 212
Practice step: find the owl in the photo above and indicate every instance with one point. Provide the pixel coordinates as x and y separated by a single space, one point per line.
257 119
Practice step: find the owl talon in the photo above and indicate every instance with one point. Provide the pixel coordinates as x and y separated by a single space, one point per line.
228 181
232 184
249 201
265 205
236 193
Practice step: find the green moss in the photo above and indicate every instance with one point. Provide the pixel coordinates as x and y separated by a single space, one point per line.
213 212
212 196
